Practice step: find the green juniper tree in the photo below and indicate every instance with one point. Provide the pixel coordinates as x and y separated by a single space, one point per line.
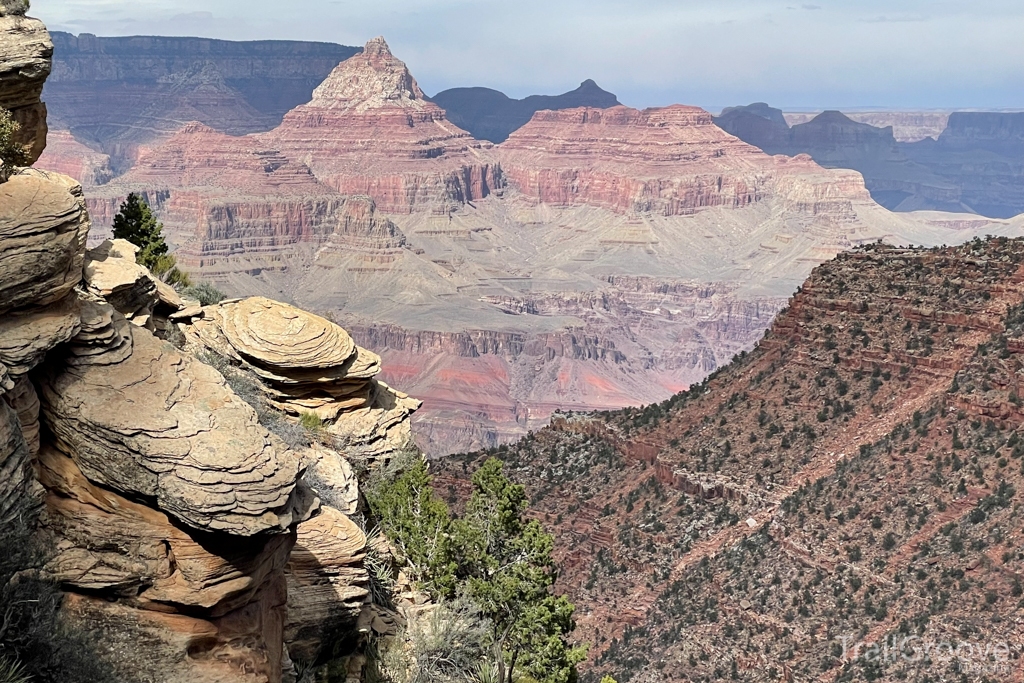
494 557
12 153
135 222
506 563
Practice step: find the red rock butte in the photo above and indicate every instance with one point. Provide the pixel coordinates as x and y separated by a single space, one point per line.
672 160
370 130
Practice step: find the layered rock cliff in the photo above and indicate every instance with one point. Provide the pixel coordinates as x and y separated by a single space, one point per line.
167 483
370 130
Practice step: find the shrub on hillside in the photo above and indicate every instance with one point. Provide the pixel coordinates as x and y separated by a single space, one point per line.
14 7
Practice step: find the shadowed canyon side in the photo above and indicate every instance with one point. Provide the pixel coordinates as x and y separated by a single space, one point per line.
491 115
855 476
598 258
114 94
974 163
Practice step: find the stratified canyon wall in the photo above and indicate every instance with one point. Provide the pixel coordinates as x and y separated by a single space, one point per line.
114 94
595 259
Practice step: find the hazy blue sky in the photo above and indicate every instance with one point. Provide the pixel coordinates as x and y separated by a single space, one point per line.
836 53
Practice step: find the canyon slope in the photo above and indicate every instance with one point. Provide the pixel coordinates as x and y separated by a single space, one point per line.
492 115
907 126
852 482
974 164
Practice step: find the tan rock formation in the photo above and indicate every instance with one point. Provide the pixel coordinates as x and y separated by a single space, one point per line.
189 443
112 273
43 228
307 364
24 66
369 130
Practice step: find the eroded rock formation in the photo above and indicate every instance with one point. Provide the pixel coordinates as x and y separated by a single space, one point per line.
176 524
307 364
24 66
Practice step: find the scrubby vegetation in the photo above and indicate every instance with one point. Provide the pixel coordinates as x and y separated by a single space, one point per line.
491 557
12 153
14 7
135 222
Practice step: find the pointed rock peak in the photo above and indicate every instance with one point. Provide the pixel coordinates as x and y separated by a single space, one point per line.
372 79
589 84
377 47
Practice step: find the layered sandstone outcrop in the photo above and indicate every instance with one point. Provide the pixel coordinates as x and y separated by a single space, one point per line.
308 365
24 66
370 130
179 528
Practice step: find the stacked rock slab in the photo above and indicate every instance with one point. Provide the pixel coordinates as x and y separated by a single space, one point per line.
308 365
169 512
24 65
111 272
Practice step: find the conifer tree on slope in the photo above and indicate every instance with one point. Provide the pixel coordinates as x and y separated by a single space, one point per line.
135 222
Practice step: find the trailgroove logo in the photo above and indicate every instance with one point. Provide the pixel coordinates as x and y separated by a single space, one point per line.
988 658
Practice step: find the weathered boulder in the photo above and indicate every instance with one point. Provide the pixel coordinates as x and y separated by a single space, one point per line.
327 583
187 442
127 549
43 228
307 364
112 272
24 66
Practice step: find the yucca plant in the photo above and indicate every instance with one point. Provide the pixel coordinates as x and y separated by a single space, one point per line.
11 671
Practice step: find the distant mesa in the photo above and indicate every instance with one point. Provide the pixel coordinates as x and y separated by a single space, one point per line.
491 115
976 164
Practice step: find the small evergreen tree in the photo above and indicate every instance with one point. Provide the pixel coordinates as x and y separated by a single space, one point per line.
12 153
135 222
506 563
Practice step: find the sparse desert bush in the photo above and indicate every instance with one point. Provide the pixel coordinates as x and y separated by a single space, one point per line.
12 153
14 7
205 293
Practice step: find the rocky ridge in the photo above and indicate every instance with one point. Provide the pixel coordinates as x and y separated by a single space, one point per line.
852 477
973 164
491 115
370 109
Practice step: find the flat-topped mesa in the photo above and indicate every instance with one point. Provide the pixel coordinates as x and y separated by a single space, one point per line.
370 130
670 160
